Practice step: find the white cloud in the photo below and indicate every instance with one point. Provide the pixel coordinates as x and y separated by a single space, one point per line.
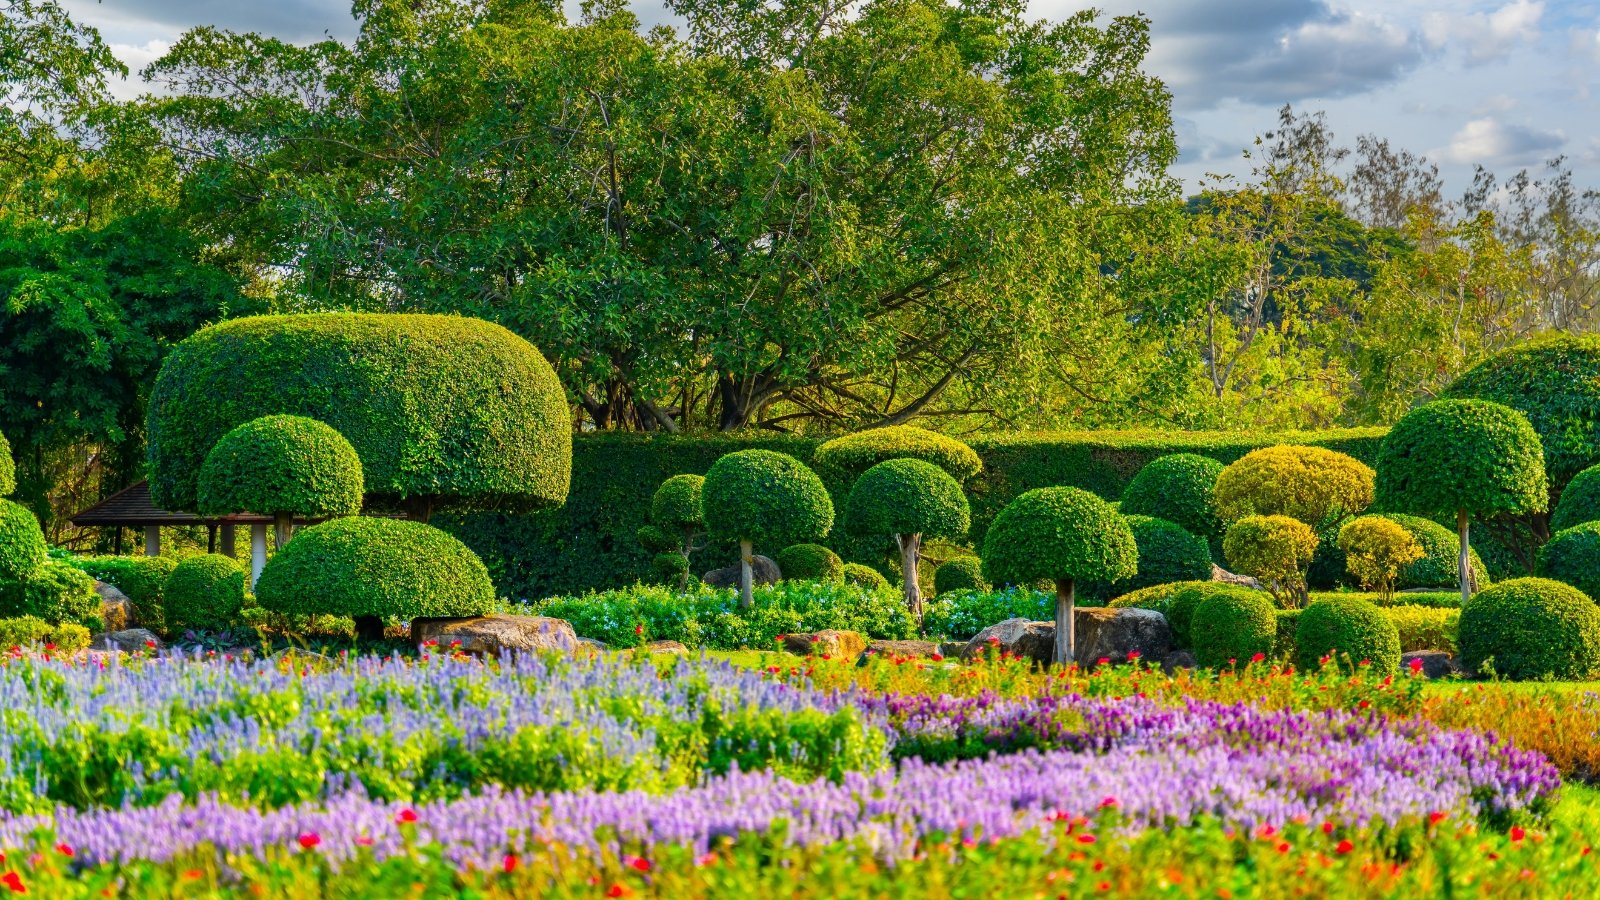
1485 37
1490 142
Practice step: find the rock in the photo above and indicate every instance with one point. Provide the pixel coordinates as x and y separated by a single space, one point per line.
131 640
593 644
667 647
1114 633
1435 663
951 649
1019 637
762 571
496 634
1218 573
904 649
1179 659
116 609
830 642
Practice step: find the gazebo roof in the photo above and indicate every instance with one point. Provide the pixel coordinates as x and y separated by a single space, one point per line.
131 507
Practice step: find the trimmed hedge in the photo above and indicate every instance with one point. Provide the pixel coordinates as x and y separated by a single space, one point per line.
810 562
964 573
864 576
281 464
453 410
384 568
204 592
1580 501
1177 487
1231 625
907 496
1178 602
771 499
56 592
142 579
8 469
1059 533
847 458
1440 550
1349 627
1419 627
1531 628
22 546
24 631
1573 557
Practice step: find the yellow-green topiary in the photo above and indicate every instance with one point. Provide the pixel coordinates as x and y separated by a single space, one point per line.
1274 549
1319 487
1376 551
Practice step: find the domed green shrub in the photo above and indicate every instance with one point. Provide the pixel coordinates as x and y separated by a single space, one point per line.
1167 553
964 573
445 412
204 592
1231 625
1531 628
8 470
374 569
55 592
912 500
656 540
1177 487
1573 557
759 497
864 576
1315 485
22 545
1176 601
142 579
1441 550
1346 628
1580 501
810 562
845 458
676 521
1274 549
287 467
671 566
1376 551
1062 534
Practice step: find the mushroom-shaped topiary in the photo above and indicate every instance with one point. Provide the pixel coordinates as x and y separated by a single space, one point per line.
1062 534
1167 553
1573 557
864 576
676 521
964 573
1177 487
810 562
374 569
1275 549
1346 628
844 459
911 500
1318 486
1579 503
8 470
1531 628
204 592
22 546
286 467
1462 458
1376 551
763 497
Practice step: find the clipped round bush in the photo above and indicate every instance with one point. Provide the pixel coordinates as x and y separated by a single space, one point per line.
1580 501
865 576
845 458
22 546
56 592
1531 628
1231 625
768 498
1462 455
964 573
1058 533
281 465
375 568
204 592
1440 549
810 562
445 412
907 496
1178 602
1274 549
1318 486
1377 550
1346 627
1177 487
670 565
677 502
8 469
67 637
1167 553
1573 557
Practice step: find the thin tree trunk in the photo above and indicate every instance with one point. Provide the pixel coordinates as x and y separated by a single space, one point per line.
746 596
282 530
910 553
1465 560
1066 640
688 548
419 509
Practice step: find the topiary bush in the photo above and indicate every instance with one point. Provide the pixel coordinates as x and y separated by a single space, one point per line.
283 466
1425 627
445 412
810 562
8 469
1167 553
676 522
1178 602
1531 628
1274 549
1346 628
1573 557
22 546
964 573
1440 551
1177 487
1317 486
204 592
1231 625
763 498
1580 501
914 501
864 576
1376 551
56 592
1156 597
374 569
673 567
142 579
844 459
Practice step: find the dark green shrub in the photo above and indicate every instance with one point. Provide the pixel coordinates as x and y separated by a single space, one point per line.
8 469
964 573
1346 627
142 579
673 567
25 631
444 412
1580 501
1178 602
1283 645
846 458
1440 550
204 592
1573 557
767 498
22 546
373 569
676 503
1531 628
1167 553
914 501
864 576
1177 487
288 465
1231 625
56 592
657 540
810 562
959 615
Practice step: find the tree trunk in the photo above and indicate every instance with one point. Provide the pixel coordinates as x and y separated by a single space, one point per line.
746 597
369 628
688 548
282 530
1066 640
419 509
1465 560
910 552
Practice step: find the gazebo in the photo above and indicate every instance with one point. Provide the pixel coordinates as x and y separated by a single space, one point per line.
131 508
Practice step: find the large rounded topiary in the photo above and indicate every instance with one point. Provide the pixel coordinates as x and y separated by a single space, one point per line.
1064 535
864 576
1531 628
1167 553
1580 501
1315 485
56 592
845 458
204 592
22 546
1275 549
964 573
1231 625
1441 552
1177 487
1573 557
912 500
287 467
8 470
767 498
375 569
810 562
444 411
1346 628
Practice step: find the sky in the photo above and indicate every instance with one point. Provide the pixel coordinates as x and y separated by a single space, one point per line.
1507 84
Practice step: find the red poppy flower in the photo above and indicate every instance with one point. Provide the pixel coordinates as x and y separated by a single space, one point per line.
1344 846
406 815
310 839
509 864
639 864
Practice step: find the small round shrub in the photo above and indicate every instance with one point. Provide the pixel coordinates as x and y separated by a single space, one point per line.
380 568
677 502
964 573
1231 625
1167 553
1274 549
845 458
1346 627
1318 486
1573 557
907 496
810 562
864 576
56 592
1177 487
204 592
1580 501
1440 551
1156 597
281 464
22 546
1531 628
1058 533
8 469
1376 551
765 497
656 540
1176 601
670 565
1454 455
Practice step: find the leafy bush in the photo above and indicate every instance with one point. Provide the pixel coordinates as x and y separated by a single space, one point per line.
964 573
142 579
1276 550
1317 486
813 562
8 469
1454 455
1377 550
907 496
1177 601
1157 597
22 545
657 540
56 592
767 498
1425 627
1346 628
25 631
1580 501
444 411
1231 625
845 458
204 592
677 502
864 576
1573 557
1167 553
672 566
1058 534
1177 487
960 614
281 465
1440 552
1531 628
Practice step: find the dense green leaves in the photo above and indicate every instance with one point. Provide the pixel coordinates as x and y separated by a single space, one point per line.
1346 628
1177 487
847 458
677 502
1580 501
1231 625
204 591
1059 533
22 546
1531 628
1573 557
8 472
765 497
281 464
1462 455
908 496
810 562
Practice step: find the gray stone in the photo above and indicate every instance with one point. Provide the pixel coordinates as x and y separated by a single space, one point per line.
1017 637
1218 573
593 644
496 634
130 640
829 642
905 649
676 647
1113 634
116 610
1179 659
1435 663
952 649
762 571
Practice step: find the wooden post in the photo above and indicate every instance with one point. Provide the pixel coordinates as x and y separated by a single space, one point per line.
152 540
258 551
230 540
211 538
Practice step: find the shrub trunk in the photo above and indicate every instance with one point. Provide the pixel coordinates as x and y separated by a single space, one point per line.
910 554
1066 640
1464 560
746 596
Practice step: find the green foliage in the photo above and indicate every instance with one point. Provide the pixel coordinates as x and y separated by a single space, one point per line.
676 503
388 568
1441 549
907 496
1425 627
1531 628
443 411
810 562
1059 533
25 631
657 540
671 565
22 546
1346 628
765 497
1471 455
1231 625
204 592
864 576
1167 553
960 614
964 573
1377 550
1178 602
1317 486
56 592
1177 487
1580 501
142 579
847 458
1274 549
1573 557
1283 645
281 464
8 470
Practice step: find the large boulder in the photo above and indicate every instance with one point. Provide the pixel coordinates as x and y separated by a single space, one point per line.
830 642
1434 663
903 650
1223 576
762 571
128 640
116 610
1018 637
494 635
1114 634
